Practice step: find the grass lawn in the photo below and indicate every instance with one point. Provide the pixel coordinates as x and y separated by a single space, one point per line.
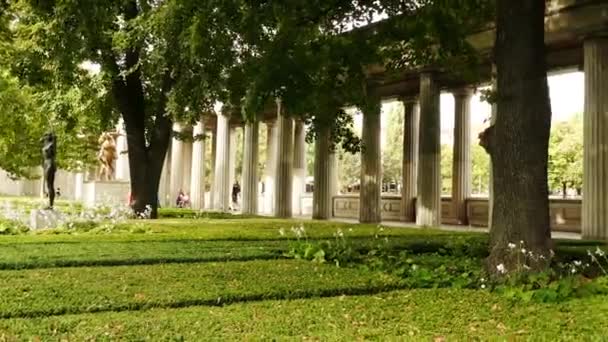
230 279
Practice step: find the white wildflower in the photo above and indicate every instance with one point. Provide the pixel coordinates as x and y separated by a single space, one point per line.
577 263
501 269
523 251
483 286
599 252
511 245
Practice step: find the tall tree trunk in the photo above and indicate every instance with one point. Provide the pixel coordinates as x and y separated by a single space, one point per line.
519 140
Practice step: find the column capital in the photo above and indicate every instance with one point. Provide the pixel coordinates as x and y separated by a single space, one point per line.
408 99
463 91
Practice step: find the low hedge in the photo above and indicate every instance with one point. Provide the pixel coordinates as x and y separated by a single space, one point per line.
45 255
437 314
35 293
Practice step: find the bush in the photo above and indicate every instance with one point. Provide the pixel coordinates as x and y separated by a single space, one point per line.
12 227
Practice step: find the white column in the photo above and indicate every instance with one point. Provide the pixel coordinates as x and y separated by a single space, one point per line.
299 166
284 169
177 166
232 164
78 186
269 170
409 181
187 158
122 163
428 204
250 169
461 166
164 185
212 169
371 165
595 159
197 184
322 192
222 163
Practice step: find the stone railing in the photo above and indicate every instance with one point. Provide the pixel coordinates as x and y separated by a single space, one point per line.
565 213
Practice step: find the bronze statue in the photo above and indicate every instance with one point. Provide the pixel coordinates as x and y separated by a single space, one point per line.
49 152
107 155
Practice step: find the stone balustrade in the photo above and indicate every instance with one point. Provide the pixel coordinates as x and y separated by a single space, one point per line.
565 213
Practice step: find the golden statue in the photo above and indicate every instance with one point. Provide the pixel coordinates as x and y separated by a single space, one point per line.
107 155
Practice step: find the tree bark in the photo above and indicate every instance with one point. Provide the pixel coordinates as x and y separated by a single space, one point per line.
518 143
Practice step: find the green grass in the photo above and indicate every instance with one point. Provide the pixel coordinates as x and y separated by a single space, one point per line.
400 315
44 292
225 278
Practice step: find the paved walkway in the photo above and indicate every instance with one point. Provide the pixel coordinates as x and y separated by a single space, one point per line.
555 235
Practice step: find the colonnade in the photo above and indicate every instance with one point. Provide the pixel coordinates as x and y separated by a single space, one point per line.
285 169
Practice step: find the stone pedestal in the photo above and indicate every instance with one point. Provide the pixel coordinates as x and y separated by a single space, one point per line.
45 219
250 169
284 168
299 166
371 165
197 184
409 180
595 159
461 167
322 193
428 204
222 165
105 192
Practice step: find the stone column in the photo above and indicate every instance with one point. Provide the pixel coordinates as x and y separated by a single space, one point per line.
164 188
250 168
461 166
212 169
595 159
428 204
197 184
187 158
371 165
232 164
299 166
269 169
284 167
122 163
177 165
221 182
322 192
409 173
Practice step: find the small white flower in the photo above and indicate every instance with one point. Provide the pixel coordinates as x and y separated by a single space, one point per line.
511 245
350 230
577 263
501 269
573 270
523 251
599 252
414 267
483 286
526 267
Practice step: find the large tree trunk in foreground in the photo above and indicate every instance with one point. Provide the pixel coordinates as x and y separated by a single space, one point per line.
519 140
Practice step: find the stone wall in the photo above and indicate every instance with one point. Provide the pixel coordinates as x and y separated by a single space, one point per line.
565 213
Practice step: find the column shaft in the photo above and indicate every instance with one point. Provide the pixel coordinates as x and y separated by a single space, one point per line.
371 166
428 204
177 166
232 163
164 189
595 159
322 194
409 187
197 187
211 204
222 160
187 158
284 169
250 168
461 166
270 167
299 166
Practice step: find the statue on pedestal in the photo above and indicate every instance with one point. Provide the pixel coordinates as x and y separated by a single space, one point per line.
49 152
107 155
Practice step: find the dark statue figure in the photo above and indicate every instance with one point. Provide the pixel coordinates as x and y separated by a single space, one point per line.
49 152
